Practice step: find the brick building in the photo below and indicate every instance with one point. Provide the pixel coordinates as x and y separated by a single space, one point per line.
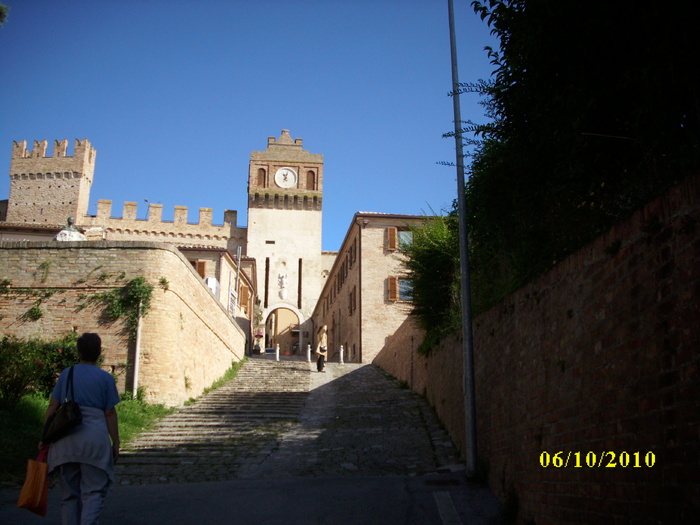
365 298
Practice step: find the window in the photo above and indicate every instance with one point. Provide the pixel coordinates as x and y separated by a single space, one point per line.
352 301
397 238
405 290
405 238
310 180
200 266
400 289
261 178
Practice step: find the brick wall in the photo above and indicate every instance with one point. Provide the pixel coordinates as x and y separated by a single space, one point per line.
187 339
598 355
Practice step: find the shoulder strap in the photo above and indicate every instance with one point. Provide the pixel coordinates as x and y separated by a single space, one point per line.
70 384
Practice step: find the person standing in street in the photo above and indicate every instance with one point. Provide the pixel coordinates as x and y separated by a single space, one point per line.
321 360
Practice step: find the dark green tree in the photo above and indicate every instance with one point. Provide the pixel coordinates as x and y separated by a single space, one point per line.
431 260
595 110
3 13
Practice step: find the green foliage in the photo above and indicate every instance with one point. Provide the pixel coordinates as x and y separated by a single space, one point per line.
432 265
3 13
21 423
32 366
43 270
229 375
33 314
595 112
136 416
130 301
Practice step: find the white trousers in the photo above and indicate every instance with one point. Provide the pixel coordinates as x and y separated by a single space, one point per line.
83 489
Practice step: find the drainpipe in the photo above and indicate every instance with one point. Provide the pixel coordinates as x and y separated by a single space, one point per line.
238 276
137 354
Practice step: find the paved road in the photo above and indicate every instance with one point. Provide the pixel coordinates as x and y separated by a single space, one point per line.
364 451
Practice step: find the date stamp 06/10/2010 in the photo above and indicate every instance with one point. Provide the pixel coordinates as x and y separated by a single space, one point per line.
606 459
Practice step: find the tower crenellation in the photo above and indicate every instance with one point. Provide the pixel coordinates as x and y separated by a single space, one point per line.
58 185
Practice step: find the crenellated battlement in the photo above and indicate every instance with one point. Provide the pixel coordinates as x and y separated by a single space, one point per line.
153 227
155 214
83 150
49 189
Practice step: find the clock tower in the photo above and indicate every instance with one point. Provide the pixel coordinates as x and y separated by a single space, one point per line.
285 199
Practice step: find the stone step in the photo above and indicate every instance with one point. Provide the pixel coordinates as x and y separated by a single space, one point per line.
239 420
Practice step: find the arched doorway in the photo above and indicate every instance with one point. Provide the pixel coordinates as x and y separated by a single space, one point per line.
282 326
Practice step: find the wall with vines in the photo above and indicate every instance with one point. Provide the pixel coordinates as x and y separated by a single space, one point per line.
187 339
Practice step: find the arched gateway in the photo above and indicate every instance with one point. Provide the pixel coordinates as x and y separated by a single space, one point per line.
285 326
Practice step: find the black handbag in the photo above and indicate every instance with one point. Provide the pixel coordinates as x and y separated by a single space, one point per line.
66 417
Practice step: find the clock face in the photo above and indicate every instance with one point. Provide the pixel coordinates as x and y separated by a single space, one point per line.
286 178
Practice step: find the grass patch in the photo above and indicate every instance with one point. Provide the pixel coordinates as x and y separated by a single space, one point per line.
229 375
21 426
20 430
135 416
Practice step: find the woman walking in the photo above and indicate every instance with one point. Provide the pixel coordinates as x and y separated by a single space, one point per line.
85 458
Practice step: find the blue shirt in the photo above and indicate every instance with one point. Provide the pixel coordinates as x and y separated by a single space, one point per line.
92 386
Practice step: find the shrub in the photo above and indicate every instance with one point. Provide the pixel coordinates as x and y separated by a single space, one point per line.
33 365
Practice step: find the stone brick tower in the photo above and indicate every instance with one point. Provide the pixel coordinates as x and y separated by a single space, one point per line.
50 189
285 194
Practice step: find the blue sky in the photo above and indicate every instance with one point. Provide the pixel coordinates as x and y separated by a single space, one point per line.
174 95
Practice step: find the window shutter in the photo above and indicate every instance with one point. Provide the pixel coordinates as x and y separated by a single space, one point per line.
392 238
393 288
201 268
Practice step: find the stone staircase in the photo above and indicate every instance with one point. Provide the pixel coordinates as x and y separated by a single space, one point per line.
236 426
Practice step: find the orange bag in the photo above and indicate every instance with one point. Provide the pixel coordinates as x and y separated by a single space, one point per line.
35 492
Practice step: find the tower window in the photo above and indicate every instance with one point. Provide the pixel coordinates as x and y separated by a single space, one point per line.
261 178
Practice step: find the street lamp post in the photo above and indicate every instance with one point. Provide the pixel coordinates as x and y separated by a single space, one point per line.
467 339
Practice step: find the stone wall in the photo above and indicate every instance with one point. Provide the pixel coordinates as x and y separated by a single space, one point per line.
187 338
154 229
599 355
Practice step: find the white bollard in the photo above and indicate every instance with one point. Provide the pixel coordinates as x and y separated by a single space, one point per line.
341 354
277 352
308 353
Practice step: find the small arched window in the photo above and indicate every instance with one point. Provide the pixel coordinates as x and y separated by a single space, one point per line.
310 180
261 178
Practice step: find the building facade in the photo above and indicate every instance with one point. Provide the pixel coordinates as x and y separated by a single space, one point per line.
366 296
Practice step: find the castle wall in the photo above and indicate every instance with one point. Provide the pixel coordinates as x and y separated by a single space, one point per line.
154 228
187 339
599 355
